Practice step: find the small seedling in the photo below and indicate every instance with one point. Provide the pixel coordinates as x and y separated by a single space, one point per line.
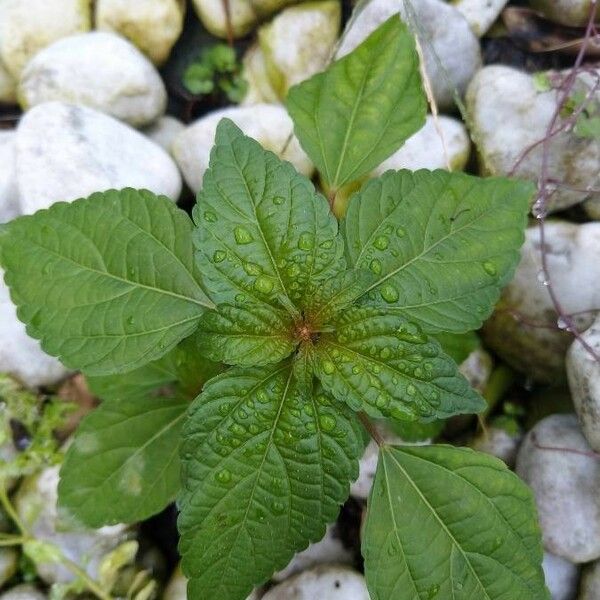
216 71
326 325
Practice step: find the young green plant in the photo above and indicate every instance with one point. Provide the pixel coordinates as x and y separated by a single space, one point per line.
324 325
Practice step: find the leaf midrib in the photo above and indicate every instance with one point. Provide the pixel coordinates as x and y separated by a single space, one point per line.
435 514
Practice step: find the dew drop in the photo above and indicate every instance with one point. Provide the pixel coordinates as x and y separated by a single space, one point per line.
326 244
389 293
328 367
356 369
219 256
240 298
252 269
400 232
278 200
293 271
411 390
263 284
381 242
130 320
223 476
490 268
382 401
375 266
327 422
306 241
210 216
385 353
242 235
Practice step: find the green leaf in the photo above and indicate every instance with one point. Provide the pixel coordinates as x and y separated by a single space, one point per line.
458 345
471 530
265 467
417 431
337 293
106 283
303 366
358 112
123 465
183 371
264 235
246 335
384 365
441 244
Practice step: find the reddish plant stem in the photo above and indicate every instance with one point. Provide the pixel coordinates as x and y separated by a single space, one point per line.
589 454
541 202
228 25
371 429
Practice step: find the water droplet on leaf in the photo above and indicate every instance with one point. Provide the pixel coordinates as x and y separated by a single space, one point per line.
327 422
263 284
306 241
242 235
223 476
381 242
490 268
375 266
389 293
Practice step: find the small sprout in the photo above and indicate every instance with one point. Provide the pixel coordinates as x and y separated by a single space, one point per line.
214 72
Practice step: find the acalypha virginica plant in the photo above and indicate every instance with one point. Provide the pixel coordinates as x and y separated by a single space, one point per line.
324 326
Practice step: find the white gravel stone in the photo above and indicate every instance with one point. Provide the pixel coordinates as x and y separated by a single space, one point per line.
20 355
508 115
100 70
260 90
367 468
584 382
35 502
245 14
499 443
269 124
24 591
565 485
432 147
65 152
164 131
561 577
440 143
27 26
329 550
322 583
299 42
8 184
152 25
533 343
480 14
451 49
